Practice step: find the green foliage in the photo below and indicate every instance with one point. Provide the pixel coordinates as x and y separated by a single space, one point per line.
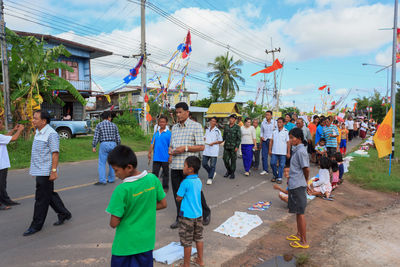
289 110
374 101
205 102
253 110
223 78
128 125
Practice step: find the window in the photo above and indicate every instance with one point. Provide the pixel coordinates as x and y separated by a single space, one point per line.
72 76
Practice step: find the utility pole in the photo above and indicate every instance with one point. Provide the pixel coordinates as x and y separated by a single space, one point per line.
4 65
143 52
394 86
275 95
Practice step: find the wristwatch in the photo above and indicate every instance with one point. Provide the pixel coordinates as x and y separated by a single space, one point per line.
53 170
186 149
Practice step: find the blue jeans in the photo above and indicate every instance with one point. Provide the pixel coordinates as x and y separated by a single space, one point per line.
209 168
277 171
265 148
144 259
105 148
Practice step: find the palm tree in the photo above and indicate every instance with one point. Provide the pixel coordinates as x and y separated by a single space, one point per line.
224 75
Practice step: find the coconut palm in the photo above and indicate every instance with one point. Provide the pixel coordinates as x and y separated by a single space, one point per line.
224 75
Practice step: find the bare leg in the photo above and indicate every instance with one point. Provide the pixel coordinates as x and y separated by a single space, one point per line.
187 254
301 228
199 247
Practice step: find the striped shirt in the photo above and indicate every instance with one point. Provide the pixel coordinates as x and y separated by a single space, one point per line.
45 143
330 141
106 131
190 134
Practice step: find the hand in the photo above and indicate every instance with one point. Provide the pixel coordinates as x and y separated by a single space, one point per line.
21 127
270 153
15 127
288 155
149 156
255 148
94 150
211 144
276 187
236 149
170 159
178 150
53 176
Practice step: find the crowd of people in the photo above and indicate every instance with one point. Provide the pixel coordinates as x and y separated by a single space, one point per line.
286 146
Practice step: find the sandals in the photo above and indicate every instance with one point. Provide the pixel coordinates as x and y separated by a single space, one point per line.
293 238
3 207
327 198
296 244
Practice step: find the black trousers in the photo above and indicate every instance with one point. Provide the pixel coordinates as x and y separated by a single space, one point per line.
351 135
165 172
45 197
4 198
176 179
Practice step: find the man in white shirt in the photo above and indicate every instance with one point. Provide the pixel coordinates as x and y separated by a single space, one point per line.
5 164
212 138
268 125
279 150
350 126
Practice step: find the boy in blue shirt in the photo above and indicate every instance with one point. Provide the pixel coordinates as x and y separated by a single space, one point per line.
133 208
190 219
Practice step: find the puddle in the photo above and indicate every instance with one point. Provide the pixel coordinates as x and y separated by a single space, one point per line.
280 261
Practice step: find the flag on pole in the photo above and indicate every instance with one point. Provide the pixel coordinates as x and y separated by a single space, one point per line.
355 106
314 109
275 66
134 72
398 47
322 87
108 98
329 91
188 46
383 136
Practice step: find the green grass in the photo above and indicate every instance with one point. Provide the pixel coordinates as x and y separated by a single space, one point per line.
76 149
302 259
373 173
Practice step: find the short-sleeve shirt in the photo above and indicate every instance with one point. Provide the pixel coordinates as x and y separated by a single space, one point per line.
350 124
320 149
258 134
161 143
188 134
190 190
211 136
313 128
298 161
279 146
4 159
289 126
135 202
45 143
319 133
267 128
330 141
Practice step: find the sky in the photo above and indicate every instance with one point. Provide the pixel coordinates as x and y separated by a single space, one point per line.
321 41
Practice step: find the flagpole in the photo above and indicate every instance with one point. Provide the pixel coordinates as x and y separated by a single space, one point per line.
394 89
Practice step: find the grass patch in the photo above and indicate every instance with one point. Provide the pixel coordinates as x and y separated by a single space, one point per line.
71 150
373 173
302 259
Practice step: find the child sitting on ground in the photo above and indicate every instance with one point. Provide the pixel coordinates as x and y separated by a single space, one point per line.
190 217
335 172
339 160
133 208
283 193
323 186
321 149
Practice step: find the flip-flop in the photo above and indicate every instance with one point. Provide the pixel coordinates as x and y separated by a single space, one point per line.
2 207
296 244
292 238
327 198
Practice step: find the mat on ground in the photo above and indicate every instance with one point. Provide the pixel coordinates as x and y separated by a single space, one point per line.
239 225
261 206
170 253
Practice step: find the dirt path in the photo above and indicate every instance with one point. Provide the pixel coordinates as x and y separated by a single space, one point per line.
332 244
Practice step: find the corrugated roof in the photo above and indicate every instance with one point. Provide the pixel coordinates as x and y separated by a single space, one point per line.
222 110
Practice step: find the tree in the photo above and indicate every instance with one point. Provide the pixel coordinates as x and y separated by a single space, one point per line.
30 78
289 110
374 101
204 102
253 110
223 77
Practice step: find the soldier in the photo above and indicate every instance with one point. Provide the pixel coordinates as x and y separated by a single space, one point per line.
232 138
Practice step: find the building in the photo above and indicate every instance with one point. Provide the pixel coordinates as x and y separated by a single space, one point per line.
222 110
80 78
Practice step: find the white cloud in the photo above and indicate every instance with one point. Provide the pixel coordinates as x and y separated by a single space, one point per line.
251 11
289 92
296 2
384 57
341 91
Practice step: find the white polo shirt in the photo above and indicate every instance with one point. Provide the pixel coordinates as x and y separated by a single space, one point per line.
280 138
4 159
350 124
267 128
212 136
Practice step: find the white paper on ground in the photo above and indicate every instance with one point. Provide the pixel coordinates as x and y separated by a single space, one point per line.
170 253
239 224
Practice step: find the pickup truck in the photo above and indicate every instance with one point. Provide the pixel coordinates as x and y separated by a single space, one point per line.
69 129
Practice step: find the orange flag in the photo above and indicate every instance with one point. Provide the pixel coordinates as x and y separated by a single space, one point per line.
322 87
383 136
355 106
314 109
275 66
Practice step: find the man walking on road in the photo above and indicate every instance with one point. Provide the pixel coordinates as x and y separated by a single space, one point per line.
279 149
44 162
268 126
232 137
330 132
5 139
256 153
187 139
213 138
107 134
350 127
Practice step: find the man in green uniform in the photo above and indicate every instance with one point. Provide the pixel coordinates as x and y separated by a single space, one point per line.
232 137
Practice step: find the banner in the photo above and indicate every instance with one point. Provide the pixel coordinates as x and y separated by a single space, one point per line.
383 136
275 66
398 46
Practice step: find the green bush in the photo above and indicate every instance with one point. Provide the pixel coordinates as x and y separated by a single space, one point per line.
128 125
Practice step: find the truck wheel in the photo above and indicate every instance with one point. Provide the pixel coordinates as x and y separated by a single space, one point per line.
64 133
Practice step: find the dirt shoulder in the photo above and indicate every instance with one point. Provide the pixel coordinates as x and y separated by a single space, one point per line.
324 220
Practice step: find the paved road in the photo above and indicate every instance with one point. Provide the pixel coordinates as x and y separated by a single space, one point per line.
86 239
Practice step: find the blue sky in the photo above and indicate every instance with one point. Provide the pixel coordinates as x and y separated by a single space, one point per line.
322 41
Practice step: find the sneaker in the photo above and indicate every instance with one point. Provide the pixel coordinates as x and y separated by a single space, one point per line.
209 181
263 173
246 173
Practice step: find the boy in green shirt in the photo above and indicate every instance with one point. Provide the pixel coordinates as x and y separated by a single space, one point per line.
133 208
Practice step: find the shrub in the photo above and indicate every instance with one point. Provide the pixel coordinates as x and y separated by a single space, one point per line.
128 125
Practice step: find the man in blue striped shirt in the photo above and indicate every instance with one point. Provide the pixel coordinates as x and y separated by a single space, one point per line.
330 132
44 162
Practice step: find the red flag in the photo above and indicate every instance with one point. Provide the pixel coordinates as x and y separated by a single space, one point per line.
314 109
275 66
355 105
398 48
322 87
188 46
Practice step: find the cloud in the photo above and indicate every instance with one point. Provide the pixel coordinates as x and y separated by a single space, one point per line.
251 11
341 91
384 57
295 2
289 92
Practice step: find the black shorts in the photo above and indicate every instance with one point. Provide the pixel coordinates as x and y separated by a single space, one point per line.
331 151
297 200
